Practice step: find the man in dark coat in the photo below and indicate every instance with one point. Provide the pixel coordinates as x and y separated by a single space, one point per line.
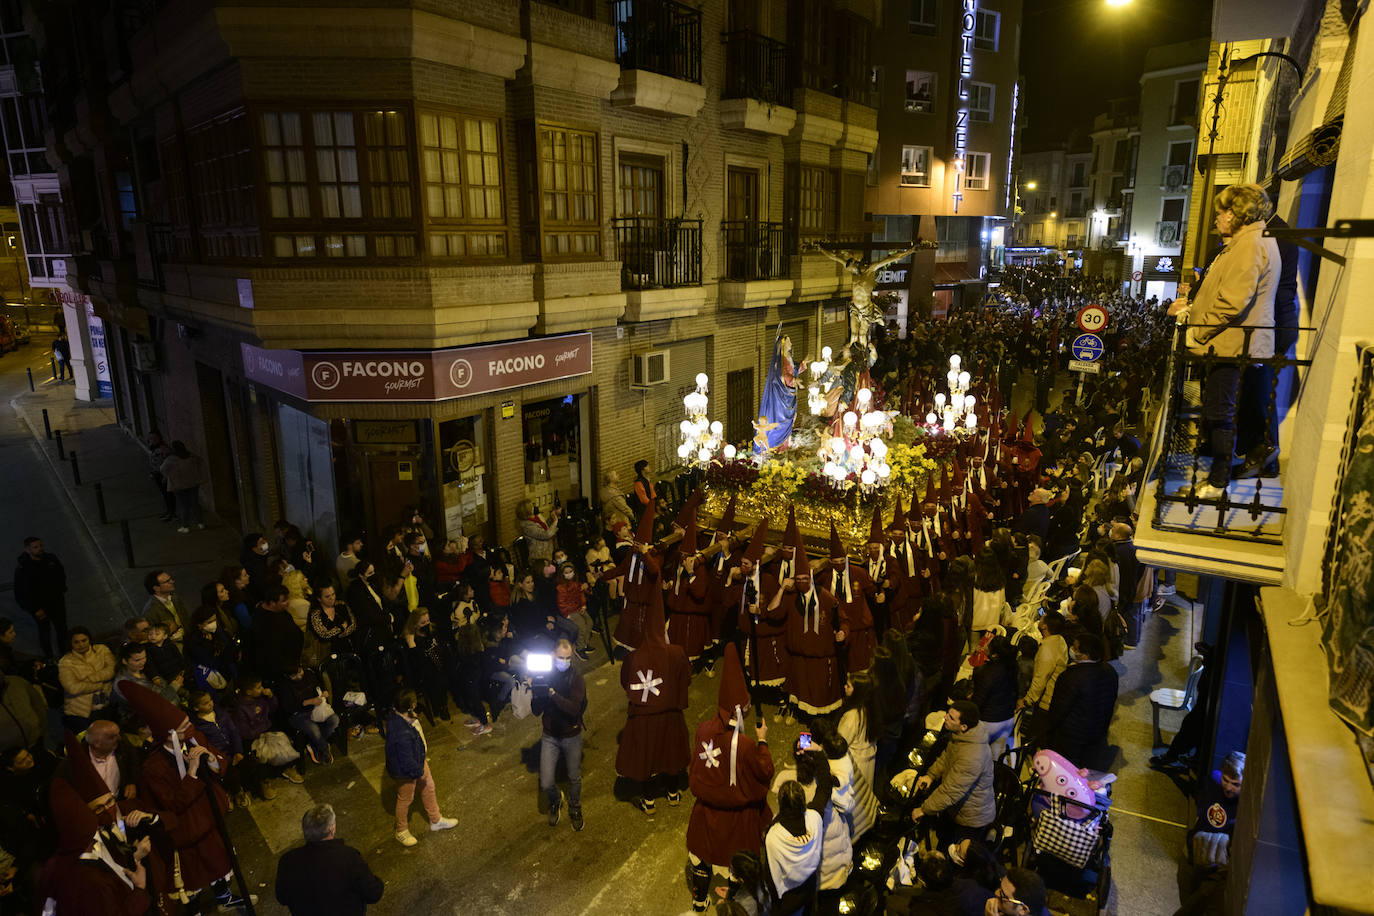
1084 700
1036 519
1121 535
326 876
40 587
655 678
277 640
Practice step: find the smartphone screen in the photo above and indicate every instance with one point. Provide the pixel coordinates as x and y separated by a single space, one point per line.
804 741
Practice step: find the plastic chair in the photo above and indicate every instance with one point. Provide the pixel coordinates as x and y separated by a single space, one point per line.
1173 698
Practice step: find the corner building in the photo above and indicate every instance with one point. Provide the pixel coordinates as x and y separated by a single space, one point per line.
454 253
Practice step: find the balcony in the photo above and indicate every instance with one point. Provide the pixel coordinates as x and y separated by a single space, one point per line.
1240 533
1168 233
1175 178
658 253
755 68
660 36
754 250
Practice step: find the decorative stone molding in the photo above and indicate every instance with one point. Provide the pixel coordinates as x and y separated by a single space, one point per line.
558 68
659 304
753 294
579 313
817 129
756 116
640 90
814 277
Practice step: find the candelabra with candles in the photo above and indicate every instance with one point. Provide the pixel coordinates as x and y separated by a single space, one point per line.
815 397
956 410
860 449
701 437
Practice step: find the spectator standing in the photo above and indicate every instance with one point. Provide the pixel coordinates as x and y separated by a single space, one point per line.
1050 661
793 846
995 692
560 705
538 532
62 355
185 473
87 675
406 750
964 773
158 453
164 605
348 558
1082 707
277 641
25 713
644 492
40 588
614 508
326 876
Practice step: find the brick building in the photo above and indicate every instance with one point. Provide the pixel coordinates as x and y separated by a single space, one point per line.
330 209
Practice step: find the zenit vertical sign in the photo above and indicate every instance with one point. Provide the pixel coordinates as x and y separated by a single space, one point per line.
967 25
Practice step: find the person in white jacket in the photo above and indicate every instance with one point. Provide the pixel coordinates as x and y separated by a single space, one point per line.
811 771
793 847
87 676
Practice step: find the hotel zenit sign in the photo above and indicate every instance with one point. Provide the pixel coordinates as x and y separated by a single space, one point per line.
968 24
354 376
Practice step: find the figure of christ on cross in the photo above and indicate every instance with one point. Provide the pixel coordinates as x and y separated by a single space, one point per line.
863 311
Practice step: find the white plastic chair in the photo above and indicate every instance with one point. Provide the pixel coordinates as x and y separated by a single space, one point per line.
1175 699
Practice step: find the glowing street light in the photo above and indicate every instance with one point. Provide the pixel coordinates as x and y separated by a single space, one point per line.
1030 186
1118 2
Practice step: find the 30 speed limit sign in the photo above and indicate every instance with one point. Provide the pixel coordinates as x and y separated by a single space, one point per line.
1092 318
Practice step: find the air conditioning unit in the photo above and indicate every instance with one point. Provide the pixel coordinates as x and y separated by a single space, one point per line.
649 368
145 355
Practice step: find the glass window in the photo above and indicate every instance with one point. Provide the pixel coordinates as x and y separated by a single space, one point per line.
461 158
283 150
916 166
569 184
553 451
921 20
221 186
980 101
985 28
977 171
920 91
336 163
388 164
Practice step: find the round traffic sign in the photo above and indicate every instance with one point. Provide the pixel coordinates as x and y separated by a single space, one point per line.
1092 318
1137 276
1087 348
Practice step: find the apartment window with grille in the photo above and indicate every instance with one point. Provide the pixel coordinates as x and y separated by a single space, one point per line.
921 20
564 176
977 171
916 166
464 199
815 206
986 25
337 183
980 97
220 157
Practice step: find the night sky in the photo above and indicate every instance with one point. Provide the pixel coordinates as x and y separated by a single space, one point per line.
1076 54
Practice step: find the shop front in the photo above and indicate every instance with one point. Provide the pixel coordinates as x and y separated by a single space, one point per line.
1162 273
463 434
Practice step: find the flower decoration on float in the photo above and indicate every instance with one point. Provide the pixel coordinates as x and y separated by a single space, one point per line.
701 437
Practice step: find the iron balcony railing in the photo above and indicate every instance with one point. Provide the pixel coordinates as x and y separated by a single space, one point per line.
1250 509
661 36
658 253
755 68
754 250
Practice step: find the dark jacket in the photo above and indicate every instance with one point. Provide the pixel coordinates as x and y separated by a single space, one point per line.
164 661
328 878
277 641
562 710
1130 574
405 749
995 691
295 693
39 582
221 733
253 717
1035 520
1081 710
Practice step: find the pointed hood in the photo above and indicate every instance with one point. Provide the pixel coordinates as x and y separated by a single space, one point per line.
654 633
789 534
84 778
727 520
1011 431
76 824
799 560
898 516
931 497
734 689
689 508
1028 427
755 549
945 492
690 543
960 475
875 531
644 534
160 716
837 551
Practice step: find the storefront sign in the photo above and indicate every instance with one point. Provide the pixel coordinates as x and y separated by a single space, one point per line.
425 375
95 332
1162 267
385 432
507 410
967 25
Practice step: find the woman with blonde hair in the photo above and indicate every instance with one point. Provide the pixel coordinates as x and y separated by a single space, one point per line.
1232 318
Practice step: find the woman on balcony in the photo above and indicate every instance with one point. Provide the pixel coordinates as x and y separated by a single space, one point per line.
1232 317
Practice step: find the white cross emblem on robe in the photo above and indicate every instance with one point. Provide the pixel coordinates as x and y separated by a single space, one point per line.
647 684
710 753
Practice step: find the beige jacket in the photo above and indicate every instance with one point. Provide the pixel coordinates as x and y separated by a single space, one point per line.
1238 291
86 679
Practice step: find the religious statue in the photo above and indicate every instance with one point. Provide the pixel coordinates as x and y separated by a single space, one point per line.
779 400
863 311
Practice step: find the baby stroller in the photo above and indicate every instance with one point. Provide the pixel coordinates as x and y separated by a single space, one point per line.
1071 834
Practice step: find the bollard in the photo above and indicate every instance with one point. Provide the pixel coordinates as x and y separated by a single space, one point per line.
100 503
61 452
76 470
52 360
47 425
128 542
30 372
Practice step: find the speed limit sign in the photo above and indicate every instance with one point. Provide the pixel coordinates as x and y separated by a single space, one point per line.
1137 276
1092 318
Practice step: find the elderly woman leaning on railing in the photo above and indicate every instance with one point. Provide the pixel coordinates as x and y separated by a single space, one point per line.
1232 318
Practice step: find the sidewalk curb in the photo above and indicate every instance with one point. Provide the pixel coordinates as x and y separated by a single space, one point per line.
133 602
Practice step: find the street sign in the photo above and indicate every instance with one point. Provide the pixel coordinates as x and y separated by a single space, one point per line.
1137 276
1077 365
1092 318
1087 348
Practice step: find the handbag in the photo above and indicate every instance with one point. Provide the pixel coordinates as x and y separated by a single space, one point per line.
274 749
520 700
321 712
1068 838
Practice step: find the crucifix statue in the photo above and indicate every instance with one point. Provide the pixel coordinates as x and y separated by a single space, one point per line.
863 311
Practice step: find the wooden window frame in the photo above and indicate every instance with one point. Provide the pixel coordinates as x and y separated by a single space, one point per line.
339 234
466 226
536 227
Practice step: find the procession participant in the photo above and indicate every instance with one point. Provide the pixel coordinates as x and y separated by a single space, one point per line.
729 777
782 561
641 569
851 586
763 631
83 878
929 548
903 570
814 685
173 786
954 520
690 598
653 744
968 504
880 589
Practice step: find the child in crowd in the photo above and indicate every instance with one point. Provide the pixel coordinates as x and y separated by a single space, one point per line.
166 666
452 561
500 649
467 680
499 588
253 718
572 604
218 728
406 750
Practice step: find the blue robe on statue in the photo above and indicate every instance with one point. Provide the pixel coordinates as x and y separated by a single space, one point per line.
779 401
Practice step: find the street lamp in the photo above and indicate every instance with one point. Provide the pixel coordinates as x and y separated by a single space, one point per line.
1118 2
1030 186
1054 214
